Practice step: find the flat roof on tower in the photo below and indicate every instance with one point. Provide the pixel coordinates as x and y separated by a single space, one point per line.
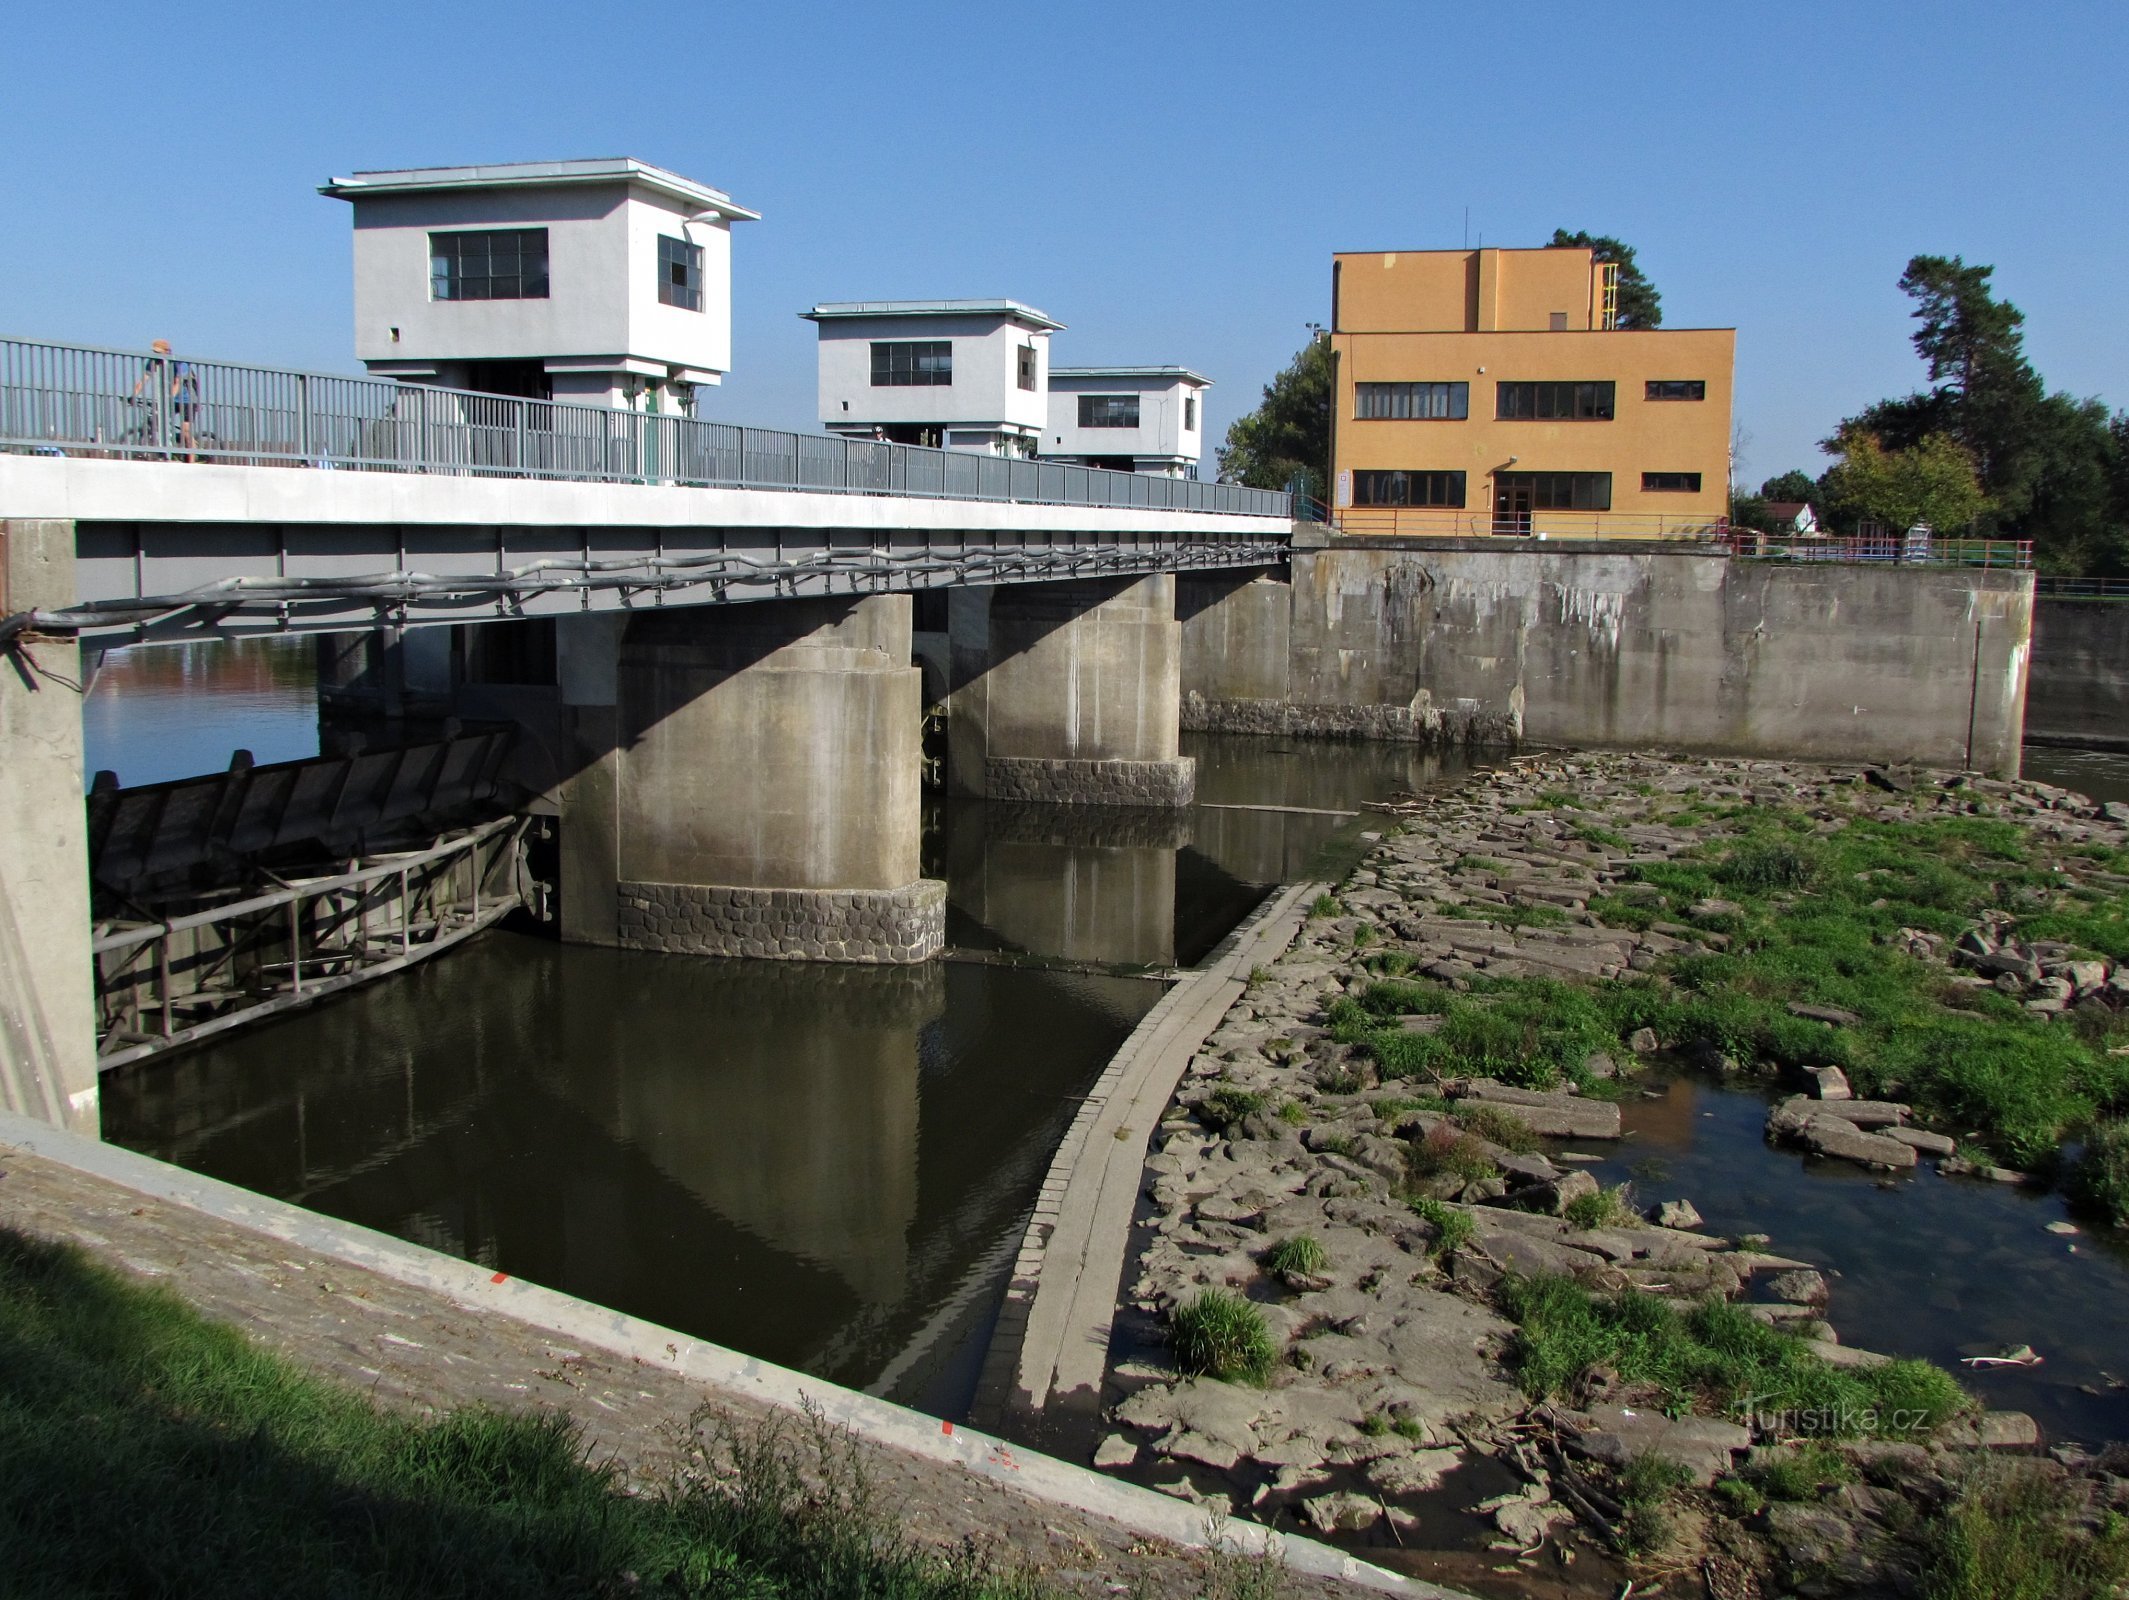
1184 373
541 175
1011 309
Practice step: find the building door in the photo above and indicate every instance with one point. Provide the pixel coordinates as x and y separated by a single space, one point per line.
1511 507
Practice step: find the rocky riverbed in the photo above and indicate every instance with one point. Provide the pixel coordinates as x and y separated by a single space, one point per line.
1337 1106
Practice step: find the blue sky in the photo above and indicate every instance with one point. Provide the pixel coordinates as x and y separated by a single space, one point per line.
1169 180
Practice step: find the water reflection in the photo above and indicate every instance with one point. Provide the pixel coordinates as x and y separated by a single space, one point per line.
159 712
800 1162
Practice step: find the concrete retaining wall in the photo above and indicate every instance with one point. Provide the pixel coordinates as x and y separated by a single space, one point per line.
2080 688
1495 641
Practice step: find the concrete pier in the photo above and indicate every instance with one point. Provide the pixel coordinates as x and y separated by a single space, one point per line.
1069 693
746 784
47 999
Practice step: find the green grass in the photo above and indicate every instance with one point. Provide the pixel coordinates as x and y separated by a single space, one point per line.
1713 1358
1324 905
1803 1473
1303 1255
1600 1208
1446 1152
1819 905
1497 1125
1452 1228
1221 1335
1645 1486
2099 1182
147 1451
1228 1105
2017 1533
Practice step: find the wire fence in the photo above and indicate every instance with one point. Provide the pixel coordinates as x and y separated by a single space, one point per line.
76 400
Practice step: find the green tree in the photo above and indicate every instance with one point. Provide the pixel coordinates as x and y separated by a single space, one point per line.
1792 486
2050 464
1933 481
1289 434
1640 306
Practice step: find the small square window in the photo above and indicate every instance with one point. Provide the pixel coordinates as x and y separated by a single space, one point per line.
679 273
1027 366
1559 322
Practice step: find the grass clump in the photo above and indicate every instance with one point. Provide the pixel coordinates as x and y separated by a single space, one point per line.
1302 1255
1497 1125
1228 1105
1802 1473
1714 1358
1292 1112
2099 1182
1447 1153
145 1449
1645 1486
2019 1532
1221 1335
1324 905
1452 1228
1600 1208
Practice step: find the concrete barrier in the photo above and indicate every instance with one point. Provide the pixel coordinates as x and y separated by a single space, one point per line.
2080 688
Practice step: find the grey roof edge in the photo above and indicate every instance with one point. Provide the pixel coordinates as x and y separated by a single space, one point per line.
1132 372
1016 310
526 174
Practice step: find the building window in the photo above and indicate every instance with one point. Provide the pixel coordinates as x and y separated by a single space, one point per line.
1408 489
1190 413
1554 402
912 363
493 264
679 273
1027 366
1677 389
1412 402
1553 491
1108 411
1670 482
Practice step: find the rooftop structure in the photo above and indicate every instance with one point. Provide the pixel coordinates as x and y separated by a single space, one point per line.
604 281
1493 390
1137 419
952 374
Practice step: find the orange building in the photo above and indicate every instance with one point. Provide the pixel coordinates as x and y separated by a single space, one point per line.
1489 391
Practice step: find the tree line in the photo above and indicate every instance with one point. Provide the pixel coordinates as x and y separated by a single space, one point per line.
1985 449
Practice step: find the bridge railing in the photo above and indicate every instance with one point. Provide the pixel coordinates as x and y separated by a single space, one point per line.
78 400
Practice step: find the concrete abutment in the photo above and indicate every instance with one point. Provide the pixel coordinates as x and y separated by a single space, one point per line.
1069 693
745 782
47 994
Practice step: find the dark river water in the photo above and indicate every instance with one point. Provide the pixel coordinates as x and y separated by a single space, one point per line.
830 1167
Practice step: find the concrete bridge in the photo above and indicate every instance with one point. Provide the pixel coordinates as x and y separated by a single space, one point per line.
727 711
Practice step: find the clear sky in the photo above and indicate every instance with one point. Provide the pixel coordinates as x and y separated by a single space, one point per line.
1168 179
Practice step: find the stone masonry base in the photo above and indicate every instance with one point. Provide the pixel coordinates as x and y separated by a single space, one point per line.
881 926
1439 727
1091 783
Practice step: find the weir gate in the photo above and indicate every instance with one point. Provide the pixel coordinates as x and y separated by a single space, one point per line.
703 635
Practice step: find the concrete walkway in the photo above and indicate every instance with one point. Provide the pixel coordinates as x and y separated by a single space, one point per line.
423 1331
1051 1347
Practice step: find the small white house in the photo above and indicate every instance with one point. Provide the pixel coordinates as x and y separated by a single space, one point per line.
952 374
607 282
1792 517
1135 419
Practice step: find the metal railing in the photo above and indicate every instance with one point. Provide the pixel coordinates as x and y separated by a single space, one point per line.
1891 549
1436 523
2051 587
77 400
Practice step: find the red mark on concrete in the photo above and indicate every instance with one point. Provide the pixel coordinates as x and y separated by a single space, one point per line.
946 1427
500 1277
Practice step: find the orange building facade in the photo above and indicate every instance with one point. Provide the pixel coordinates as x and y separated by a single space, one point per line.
1488 391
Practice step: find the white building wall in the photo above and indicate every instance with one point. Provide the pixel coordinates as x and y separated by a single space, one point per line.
986 388
602 299
1159 435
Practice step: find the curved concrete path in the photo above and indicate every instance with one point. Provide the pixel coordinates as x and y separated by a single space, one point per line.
1051 1347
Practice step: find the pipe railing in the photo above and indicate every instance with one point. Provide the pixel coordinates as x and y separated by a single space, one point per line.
79 400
